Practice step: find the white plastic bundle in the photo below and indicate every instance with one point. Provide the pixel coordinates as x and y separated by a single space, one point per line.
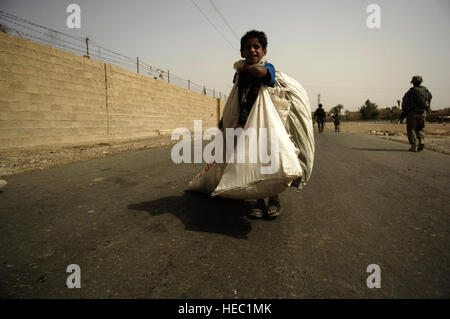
281 120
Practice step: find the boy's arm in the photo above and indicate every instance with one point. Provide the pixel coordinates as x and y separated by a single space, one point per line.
257 71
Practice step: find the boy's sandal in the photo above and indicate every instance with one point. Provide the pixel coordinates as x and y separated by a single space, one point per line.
273 209
258 211
255 213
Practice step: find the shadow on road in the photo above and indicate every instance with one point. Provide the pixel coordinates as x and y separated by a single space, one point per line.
379 150
201 213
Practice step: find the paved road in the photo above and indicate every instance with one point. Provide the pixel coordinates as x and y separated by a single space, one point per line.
127 223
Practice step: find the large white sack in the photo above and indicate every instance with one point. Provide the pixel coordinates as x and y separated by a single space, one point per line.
298 122
290 119
246 180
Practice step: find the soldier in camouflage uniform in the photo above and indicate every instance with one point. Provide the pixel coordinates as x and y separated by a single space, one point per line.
415 105
320 115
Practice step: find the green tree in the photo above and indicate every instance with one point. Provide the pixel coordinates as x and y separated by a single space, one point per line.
369 110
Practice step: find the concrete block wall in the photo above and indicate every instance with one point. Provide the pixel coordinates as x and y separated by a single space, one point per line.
52 97
143 106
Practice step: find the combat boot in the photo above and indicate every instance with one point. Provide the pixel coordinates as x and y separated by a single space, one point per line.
421 146
413 148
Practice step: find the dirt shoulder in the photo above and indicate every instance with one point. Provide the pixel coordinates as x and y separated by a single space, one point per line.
437 135
15 161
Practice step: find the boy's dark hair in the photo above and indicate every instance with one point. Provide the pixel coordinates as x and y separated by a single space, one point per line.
261 36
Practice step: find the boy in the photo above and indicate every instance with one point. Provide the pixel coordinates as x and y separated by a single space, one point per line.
337 121
253 74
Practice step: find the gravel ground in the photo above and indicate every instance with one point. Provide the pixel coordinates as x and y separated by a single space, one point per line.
15 161
437 135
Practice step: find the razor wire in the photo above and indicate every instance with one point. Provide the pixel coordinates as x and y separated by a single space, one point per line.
91 49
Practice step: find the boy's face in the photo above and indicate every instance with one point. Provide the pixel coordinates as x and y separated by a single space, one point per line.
252 51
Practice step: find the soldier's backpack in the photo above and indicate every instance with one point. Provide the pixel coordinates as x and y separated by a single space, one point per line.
321 113
419 99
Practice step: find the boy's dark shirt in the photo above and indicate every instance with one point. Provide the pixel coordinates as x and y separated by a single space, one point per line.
337 118
248 88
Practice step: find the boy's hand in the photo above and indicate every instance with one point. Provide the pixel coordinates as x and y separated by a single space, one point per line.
243 68
256 70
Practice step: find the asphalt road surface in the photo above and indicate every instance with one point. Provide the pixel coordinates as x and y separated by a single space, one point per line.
126 221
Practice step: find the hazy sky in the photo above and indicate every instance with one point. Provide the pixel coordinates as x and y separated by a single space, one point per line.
325 45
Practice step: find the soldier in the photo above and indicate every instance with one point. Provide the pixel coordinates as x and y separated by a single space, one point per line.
319 115
415 105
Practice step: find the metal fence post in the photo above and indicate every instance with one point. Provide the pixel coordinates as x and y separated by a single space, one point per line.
189 84
87 47
168 76
218 112
137 62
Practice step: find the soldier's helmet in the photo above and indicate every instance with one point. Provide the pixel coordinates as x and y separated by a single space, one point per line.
417 79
